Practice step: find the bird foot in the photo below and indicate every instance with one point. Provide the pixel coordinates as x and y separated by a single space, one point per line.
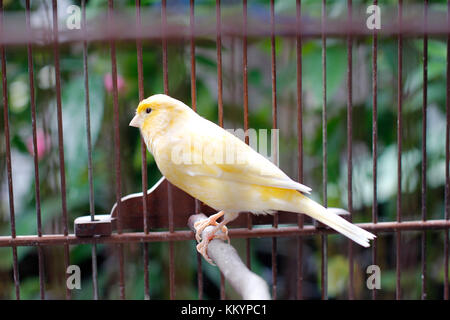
224 235
202 247
199 226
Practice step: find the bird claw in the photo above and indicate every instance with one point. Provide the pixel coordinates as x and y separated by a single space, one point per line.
200 226
224 235
202 249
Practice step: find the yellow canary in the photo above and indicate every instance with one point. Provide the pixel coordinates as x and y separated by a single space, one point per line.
219 169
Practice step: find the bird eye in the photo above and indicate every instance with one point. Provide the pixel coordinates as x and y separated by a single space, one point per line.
148 110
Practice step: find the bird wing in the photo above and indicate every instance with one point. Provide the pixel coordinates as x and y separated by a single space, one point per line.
247 165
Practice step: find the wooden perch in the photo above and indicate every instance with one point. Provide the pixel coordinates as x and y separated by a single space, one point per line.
246 283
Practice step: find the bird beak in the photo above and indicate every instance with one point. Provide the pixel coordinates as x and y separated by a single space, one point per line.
135 122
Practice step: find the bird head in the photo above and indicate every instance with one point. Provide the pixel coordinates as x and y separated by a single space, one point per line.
153 109
157 114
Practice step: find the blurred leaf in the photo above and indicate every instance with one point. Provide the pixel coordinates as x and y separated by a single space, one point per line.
74 119
29 288
337 274
205 61
312 66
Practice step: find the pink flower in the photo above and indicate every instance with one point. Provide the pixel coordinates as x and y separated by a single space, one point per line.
108 82
43 143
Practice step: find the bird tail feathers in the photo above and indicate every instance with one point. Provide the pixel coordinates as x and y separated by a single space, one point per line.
334 221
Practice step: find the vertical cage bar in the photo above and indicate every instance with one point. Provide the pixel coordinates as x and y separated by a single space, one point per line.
424 150
193 66
219 62
35 156
194 107
447 160
222 287
324 244
219 99
399 154
88 117
274 147
62 170
351 293
89 148
12 216
245 89
145 213
117 169
300 219
169 188
374 141
232 69
199 276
